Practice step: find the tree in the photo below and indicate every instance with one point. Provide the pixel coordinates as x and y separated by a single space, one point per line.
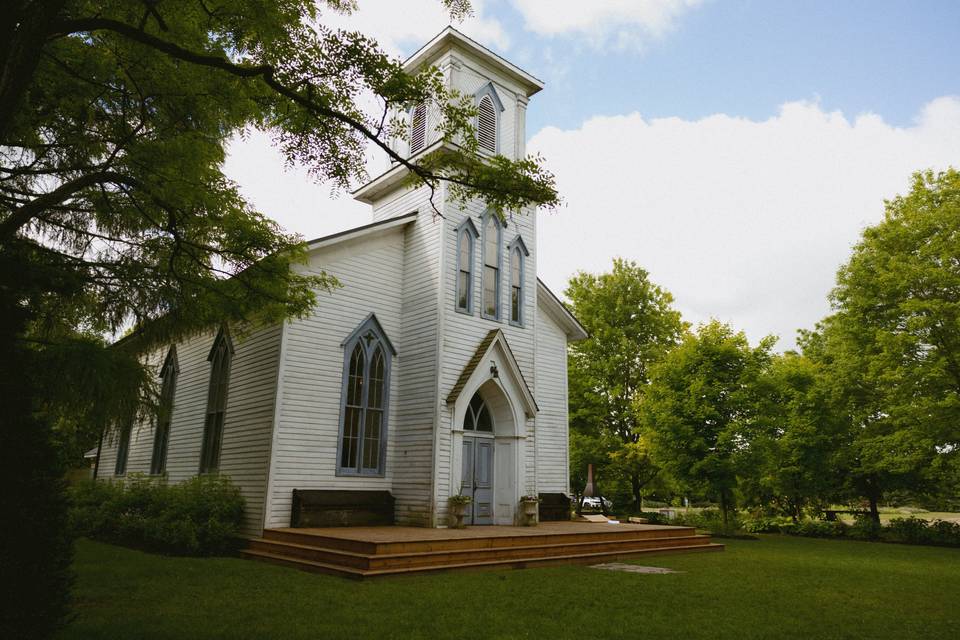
791 460
114 210
700 408
892 345
631 324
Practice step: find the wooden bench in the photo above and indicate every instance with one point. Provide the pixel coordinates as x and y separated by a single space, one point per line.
554 507
341 508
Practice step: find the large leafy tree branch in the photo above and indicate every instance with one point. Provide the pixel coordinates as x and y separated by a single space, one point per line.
114 117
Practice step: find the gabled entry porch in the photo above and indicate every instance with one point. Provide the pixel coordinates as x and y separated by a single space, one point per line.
364 552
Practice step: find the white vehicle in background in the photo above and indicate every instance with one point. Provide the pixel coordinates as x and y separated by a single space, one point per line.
592 503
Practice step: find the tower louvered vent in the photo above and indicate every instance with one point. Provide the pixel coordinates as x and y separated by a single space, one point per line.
418 128
487 125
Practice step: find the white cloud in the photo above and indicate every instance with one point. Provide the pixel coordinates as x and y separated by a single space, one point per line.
289 195
402 26
742 220
619 23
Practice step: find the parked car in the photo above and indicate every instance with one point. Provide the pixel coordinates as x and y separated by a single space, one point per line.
592 503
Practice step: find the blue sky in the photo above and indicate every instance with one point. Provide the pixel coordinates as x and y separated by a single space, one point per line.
735 149
747 57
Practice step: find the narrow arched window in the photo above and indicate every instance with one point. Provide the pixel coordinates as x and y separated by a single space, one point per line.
464 267
418 128
477 417
491 267
220 358
466 234
516 286
487 125
123 449
161 437
363 421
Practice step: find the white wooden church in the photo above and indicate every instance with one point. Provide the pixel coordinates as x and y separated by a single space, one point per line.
438 368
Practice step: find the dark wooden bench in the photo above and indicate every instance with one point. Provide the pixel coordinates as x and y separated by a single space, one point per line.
554 507
341 508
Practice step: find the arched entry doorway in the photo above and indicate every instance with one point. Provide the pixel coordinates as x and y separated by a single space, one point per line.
476 478
488 455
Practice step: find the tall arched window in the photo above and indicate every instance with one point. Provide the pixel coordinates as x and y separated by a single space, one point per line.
221 356
366 391
487 125
518 253
516 286
123 450
490 307
466 234
158 462
418 127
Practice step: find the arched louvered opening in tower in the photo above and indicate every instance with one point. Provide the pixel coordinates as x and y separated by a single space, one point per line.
418 128
487 125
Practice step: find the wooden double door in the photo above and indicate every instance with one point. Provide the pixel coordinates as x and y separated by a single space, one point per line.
477 478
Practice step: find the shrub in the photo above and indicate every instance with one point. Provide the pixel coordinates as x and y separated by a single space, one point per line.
917 531
201 516
653 517
865 528
763 524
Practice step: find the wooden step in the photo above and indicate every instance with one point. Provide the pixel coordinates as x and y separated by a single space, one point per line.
304 537
457 556
587 558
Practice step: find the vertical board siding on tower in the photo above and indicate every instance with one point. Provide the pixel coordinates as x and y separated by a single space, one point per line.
247 428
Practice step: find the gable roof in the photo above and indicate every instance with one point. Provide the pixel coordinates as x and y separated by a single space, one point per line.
559 312
359 232
450 37
493 336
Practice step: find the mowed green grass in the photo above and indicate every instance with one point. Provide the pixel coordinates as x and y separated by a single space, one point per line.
775 587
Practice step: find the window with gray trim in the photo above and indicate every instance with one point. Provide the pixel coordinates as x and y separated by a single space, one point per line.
123 449
516 286
161 437
466 235
221 357
490 304
364 400
517 252
464 269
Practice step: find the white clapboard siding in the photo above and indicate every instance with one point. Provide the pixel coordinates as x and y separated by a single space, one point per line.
247 427
370 271
552 424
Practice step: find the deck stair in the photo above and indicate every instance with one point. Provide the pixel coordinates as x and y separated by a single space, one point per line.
361 552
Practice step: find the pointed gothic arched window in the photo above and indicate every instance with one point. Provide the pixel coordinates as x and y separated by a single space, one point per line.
161 437
363 421
477 417
491 267
221 357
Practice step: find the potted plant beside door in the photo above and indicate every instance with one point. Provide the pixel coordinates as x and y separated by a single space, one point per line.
530 505
458 507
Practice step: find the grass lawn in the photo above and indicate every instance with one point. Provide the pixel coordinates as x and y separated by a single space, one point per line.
777 587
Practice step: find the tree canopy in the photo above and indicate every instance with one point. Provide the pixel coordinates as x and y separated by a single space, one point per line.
631 323
700 408
114 116
891 347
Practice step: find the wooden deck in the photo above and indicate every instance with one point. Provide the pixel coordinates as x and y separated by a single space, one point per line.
362 552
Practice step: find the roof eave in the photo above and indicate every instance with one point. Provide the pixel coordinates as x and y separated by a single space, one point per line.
450 36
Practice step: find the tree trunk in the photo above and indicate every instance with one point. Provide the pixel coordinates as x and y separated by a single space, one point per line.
874 508
723 508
